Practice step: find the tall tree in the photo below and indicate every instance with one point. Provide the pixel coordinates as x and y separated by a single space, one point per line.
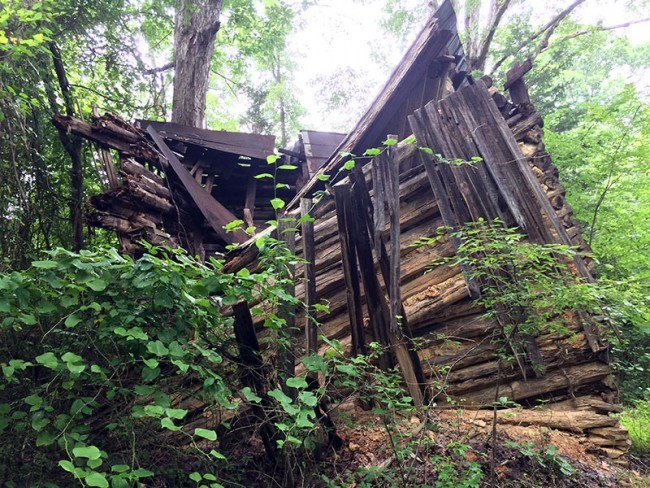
196 26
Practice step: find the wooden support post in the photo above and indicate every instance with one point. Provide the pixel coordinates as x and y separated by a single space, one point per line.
350 272
385 174
252 374
249 204
309 255
287 311
209 183
515 83
378 310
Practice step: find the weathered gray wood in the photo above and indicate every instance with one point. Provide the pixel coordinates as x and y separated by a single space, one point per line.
287 311
215 213
309 273
252 374
348 253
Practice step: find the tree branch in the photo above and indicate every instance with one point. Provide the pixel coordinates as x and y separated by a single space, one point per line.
485 45
598 28
610 178
550 26
62 78
159 69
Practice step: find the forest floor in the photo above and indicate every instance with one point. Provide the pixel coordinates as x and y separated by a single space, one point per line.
449 448
453 449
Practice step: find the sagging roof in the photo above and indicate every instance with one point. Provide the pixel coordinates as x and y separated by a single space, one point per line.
435 59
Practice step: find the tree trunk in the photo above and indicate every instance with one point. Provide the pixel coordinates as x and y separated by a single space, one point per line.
72 145
197 23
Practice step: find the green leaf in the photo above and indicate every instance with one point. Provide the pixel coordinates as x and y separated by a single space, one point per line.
151 363
250 395
277 203
409 140
196 476
211 435
217 455
168 423
288 167
48 360
348 369
27 319
39 422
97 285
323 177
157 348
46 307
142 473
45 264
154 410
296 382
427 150
66 465
96 479
90 452
315 364
308 398
389 142
150 374
70 357
45 438
176 413
72 320
373 151
272 158
349 165
145 390
263 175
120 468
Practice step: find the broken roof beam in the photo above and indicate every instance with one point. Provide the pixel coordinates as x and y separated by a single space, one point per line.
250 145
103 136
215 213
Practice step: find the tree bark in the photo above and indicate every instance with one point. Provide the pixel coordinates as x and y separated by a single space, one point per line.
196 27
72 145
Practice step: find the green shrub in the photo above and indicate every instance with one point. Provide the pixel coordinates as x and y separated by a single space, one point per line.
637 421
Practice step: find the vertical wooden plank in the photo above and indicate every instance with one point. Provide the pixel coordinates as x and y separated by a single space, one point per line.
209 183
529 180
287 311
400 340
378 311
249 204
350 273
252 373
309 255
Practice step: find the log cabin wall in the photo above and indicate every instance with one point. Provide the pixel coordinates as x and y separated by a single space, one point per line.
459 361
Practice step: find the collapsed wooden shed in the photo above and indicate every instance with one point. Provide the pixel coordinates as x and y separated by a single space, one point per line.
360 253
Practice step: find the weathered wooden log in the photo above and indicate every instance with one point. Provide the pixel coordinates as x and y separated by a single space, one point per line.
572 421
141 151
147 184
564 378
134 168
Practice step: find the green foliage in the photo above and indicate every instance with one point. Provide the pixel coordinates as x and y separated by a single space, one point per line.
636 419
545 458
527 286
94 350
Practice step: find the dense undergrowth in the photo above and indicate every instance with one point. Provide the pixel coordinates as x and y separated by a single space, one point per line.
124 373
